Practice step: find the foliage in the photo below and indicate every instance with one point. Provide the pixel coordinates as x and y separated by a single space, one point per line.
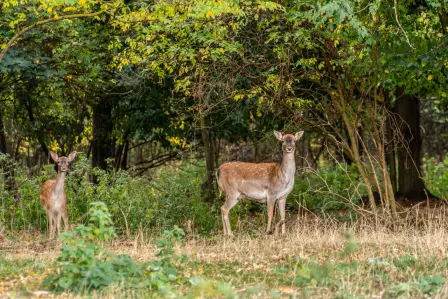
173 196
328 189
85 265
436 177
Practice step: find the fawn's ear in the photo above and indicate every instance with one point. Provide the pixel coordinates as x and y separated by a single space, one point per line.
72 156
278 135
298 135
54 156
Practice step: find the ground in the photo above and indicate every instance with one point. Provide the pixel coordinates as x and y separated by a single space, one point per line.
316 258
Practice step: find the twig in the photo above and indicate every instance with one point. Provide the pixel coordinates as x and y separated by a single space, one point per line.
399 25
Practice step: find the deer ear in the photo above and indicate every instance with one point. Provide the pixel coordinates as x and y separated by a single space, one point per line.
54 156
278 135
72 156
298 135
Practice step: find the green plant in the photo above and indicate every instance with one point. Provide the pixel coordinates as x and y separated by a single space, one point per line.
429 284
436 177
85 265
329 189
171 196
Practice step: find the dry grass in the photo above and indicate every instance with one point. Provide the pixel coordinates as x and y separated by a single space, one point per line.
250 260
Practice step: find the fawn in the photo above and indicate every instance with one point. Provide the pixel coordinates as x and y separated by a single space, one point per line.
53 197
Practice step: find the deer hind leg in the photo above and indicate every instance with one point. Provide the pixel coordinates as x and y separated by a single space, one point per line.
281 207
271 204
231 201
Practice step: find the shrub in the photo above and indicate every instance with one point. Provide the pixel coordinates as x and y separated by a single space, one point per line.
172 196
436 177
83 264
328 189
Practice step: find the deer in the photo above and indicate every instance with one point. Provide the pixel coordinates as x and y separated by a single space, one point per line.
263 182
53 197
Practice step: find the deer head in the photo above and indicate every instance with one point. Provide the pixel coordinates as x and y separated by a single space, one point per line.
63 162
288 141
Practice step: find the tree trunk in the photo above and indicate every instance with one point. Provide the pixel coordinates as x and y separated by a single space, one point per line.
3 144
138 154
103 142
118 156
209 161
25 100
217 145
9 174
124 158
390 143
410 182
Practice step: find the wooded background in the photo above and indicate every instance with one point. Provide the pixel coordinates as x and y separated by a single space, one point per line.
136 84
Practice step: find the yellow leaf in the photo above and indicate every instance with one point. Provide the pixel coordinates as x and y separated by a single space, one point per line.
210 14
429 77
82 2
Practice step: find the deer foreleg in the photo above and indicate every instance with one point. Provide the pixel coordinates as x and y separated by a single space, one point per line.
58 222
271 204
65 216
52 220
281 207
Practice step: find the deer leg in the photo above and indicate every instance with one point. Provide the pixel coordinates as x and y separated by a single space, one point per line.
58 222
65 216
231 201
52 220
49 223
271 204
281 207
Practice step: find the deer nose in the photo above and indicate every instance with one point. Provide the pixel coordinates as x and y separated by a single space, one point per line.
289 149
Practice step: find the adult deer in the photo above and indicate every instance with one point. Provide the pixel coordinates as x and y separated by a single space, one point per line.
53 197
263 182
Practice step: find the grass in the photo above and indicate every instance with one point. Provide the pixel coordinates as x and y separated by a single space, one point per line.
314 259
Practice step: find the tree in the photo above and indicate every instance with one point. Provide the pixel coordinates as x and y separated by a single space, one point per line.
21 17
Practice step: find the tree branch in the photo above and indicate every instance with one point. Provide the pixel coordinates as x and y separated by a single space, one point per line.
40 23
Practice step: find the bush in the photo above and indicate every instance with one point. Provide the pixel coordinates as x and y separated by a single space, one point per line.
172 196
436 177
85 265
328 189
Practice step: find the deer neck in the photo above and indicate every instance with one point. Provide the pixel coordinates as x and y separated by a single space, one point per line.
59 186
288 165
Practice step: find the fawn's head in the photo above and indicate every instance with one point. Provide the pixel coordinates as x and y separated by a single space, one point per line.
63 162
288 141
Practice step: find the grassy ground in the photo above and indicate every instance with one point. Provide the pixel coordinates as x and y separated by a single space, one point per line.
317 259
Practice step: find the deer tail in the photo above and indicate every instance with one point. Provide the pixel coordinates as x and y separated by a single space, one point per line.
218 182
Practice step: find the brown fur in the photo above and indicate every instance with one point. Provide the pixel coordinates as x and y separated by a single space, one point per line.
53 196
47 187
263 182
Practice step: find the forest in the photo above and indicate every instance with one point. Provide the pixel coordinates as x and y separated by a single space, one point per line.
120 116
